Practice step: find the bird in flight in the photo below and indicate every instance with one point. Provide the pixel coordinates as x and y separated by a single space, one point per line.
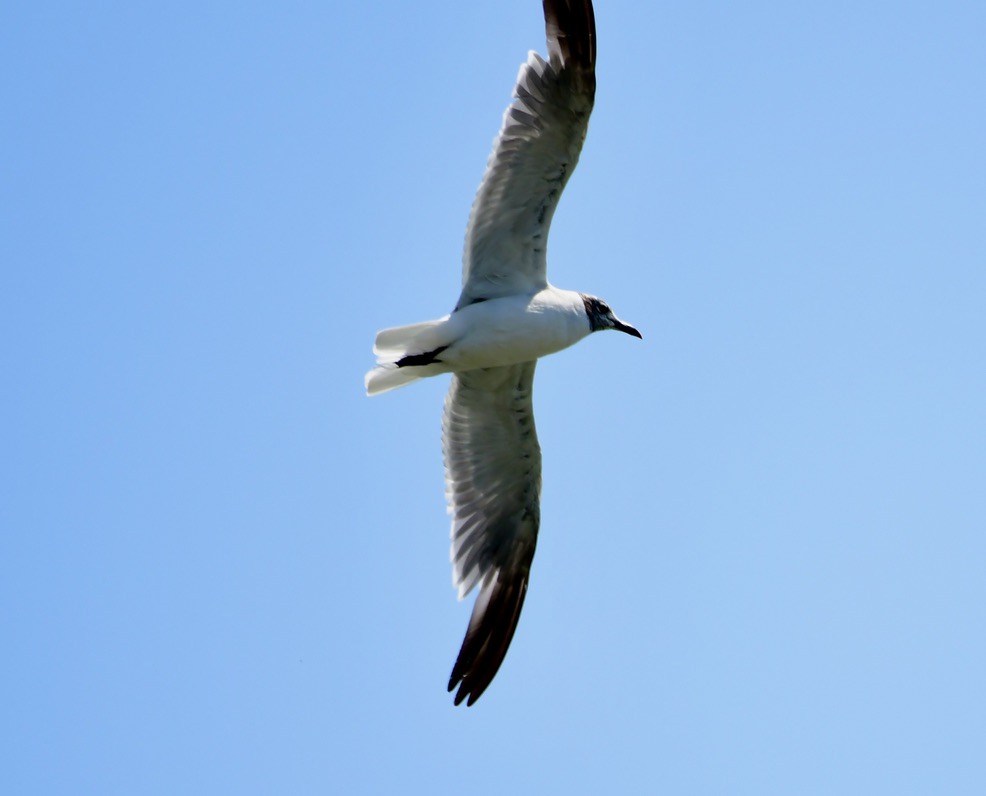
507 316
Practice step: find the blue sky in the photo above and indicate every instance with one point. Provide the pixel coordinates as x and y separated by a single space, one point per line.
761 566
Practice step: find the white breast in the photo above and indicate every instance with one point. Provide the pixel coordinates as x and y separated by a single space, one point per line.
514 329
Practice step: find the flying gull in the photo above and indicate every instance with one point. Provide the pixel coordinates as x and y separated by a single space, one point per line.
507 316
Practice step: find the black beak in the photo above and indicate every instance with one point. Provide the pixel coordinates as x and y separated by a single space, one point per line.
626 328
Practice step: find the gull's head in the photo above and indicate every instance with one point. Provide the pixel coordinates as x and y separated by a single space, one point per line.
602 317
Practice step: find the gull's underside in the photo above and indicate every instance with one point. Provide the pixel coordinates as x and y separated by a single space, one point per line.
506 317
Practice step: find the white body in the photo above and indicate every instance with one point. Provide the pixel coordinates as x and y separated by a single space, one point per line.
515 329
487 334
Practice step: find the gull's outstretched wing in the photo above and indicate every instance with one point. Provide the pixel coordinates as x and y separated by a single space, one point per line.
493 485
532 159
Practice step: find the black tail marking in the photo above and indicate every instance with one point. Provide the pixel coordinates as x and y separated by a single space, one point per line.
427 358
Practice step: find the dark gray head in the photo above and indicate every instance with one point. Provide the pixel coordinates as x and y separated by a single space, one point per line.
602 317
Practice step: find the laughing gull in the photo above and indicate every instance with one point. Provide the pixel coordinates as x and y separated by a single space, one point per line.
506 318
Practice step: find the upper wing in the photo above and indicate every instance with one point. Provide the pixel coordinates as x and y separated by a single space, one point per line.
532 159
493 485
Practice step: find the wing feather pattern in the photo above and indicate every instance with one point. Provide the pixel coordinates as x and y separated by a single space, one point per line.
533 157
493 485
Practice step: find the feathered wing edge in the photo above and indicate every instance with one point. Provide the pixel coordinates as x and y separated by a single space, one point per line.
492 625
493 484
570 27
533 157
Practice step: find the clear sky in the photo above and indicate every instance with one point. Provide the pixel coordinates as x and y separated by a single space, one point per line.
762 563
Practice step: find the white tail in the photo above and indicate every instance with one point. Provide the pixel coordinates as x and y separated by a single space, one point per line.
401 340
389 377
393 344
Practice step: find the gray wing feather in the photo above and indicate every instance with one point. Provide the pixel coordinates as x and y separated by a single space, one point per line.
493 485
533 157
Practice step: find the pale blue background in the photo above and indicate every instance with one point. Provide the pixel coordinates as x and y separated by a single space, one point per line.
223 569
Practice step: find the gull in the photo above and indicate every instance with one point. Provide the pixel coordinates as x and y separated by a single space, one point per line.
506 318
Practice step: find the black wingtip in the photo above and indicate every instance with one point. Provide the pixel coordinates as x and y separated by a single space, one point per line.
570 26
491 629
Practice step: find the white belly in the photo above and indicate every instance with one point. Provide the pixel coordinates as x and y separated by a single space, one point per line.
506 331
